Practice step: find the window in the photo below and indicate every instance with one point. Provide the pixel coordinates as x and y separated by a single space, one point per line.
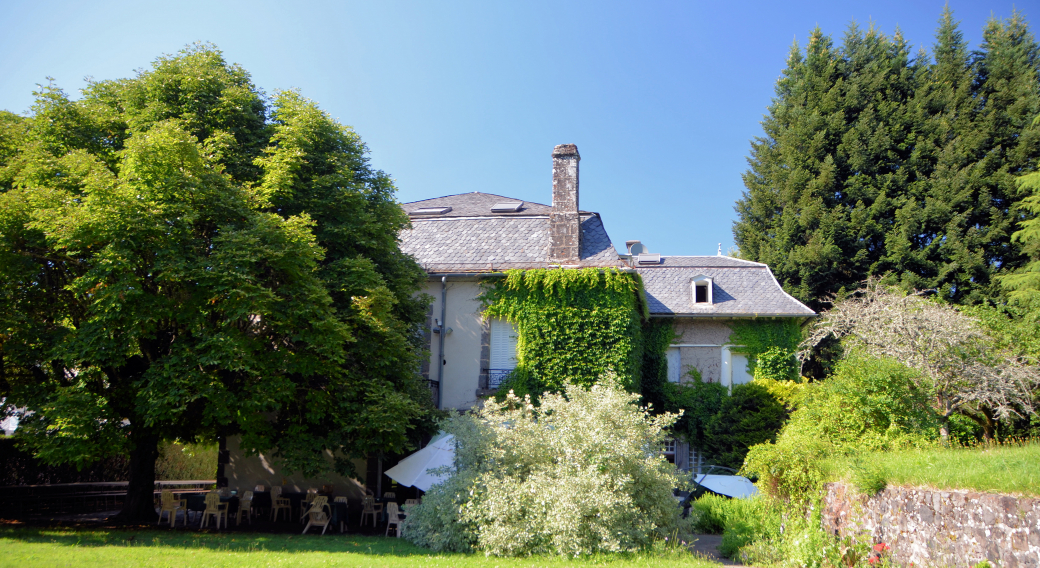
668 451
674 361
503 352
702 290
696 463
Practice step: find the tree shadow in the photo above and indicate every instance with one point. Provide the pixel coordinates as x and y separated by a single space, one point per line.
206 540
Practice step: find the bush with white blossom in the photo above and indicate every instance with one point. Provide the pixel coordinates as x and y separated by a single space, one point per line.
582 473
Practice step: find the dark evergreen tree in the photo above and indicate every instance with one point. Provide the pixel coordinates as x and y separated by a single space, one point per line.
873 162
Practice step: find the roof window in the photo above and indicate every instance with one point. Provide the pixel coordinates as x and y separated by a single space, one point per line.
702 288
507 207
431 211
648 258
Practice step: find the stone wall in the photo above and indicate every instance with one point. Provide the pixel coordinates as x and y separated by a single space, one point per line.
940 528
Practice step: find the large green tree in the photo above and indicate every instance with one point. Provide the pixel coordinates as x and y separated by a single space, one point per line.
183 257
874 162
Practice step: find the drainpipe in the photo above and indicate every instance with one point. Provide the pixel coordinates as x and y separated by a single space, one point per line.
440 357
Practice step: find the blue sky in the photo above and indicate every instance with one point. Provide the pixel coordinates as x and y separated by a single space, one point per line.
662 98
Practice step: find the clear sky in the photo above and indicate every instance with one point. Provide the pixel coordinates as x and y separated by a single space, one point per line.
662 98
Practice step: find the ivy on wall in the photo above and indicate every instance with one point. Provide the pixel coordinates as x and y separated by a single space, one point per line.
757 336
573 326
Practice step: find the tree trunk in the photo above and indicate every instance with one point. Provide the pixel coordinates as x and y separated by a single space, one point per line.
139 506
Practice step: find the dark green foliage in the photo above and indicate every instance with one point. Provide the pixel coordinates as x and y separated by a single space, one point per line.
179 261
573 326
657 334
749 416
874 162
700 403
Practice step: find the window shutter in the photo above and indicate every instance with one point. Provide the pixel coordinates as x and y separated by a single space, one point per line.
674 365
503 345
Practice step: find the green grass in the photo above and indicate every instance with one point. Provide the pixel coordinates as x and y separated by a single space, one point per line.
24 547
1009 468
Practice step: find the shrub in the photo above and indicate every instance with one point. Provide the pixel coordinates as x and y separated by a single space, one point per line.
186 461
749 416
709 513
580 474
698 402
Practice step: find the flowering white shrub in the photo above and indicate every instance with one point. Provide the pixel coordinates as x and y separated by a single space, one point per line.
582 473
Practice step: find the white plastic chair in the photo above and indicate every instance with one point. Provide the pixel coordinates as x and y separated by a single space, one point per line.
215 509
394 517
245 505
320 514
369 507
169 505
278 503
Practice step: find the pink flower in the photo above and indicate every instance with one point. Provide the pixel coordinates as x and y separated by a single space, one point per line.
873 559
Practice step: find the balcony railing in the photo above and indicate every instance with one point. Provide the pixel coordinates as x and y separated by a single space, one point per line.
497 376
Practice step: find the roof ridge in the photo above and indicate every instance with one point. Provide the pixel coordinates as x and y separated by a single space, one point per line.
478 193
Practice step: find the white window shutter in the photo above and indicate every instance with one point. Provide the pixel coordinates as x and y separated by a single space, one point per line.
674 365
503 345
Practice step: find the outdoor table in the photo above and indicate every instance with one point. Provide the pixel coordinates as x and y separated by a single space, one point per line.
339 513
197 502
262 500
295 498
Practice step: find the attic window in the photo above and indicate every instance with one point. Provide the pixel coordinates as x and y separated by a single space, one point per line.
431 211
507 207
702 288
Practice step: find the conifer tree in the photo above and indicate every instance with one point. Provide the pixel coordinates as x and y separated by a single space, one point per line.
873 162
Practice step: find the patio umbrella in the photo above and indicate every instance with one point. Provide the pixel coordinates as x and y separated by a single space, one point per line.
728 485
414 469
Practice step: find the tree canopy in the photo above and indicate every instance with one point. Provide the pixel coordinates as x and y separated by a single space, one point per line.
875 161
182 256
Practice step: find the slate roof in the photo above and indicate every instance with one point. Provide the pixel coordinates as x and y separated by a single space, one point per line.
476 204
470 238
740 288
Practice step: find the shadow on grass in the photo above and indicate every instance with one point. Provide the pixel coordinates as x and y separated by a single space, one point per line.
230 542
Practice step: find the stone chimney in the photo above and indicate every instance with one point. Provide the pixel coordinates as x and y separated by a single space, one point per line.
564 221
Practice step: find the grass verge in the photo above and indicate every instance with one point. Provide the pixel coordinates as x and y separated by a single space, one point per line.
28 547
1008 468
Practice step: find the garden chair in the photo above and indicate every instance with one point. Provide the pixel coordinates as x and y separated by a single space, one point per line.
312 494
279 503
168 504
342 522
370 507
245 506
224 492
214 508
394 517
389 495
409 503
260 488
320 514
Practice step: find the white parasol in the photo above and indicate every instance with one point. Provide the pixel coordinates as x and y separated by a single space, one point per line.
414 469
728 485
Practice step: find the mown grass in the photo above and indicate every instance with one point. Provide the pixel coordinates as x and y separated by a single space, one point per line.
27 547
1008 468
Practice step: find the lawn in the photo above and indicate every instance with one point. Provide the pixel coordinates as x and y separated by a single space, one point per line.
23 547
1010 468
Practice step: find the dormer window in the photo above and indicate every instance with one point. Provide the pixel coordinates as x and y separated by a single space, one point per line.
702 290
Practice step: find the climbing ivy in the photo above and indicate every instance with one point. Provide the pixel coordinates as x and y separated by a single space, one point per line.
573 326
755 337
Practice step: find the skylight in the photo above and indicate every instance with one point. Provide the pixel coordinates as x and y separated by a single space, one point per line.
431 211
648 258
507 207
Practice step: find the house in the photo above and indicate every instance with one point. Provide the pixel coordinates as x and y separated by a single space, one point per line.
462 240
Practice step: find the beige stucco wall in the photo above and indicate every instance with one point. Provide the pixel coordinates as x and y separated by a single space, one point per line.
246 472
461 346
